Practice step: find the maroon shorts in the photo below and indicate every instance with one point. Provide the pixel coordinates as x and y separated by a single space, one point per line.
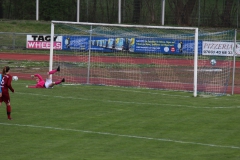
5 97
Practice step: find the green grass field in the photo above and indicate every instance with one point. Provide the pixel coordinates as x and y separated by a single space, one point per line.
115 123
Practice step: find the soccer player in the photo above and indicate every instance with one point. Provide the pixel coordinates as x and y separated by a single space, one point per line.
48 83
5 85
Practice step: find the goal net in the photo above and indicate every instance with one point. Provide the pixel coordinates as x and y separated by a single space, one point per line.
158 57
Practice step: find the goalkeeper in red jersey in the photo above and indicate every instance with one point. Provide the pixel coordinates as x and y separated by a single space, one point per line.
48 83
5 86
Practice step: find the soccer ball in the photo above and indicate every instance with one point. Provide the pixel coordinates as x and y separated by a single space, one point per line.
213 62
15 78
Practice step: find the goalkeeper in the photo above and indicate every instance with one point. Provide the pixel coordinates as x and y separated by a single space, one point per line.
48 83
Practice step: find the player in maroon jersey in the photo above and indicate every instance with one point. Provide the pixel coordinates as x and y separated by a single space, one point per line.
5 85
48 83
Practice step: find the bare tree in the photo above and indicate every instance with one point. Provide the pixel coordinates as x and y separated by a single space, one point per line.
182 11
226 16
150 6
93 11
136 11
1 9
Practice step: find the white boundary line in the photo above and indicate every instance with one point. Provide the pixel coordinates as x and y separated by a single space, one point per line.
145 91
122 135
124 102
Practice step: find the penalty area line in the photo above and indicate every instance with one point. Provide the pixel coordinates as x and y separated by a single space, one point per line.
122 135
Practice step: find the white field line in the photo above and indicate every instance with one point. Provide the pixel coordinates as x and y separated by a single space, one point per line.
122 135
124 102
143 91
166 92
163 94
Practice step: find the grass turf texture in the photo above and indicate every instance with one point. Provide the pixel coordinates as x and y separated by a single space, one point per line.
102 122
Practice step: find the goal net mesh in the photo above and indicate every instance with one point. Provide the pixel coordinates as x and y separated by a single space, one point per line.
158 58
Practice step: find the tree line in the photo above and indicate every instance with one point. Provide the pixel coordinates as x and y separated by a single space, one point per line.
209 13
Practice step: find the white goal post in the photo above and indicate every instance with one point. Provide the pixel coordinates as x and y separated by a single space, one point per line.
161 57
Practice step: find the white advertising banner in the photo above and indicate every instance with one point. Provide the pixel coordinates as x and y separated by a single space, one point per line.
238 49
217 48
43 42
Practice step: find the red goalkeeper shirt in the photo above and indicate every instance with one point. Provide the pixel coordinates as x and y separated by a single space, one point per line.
40 84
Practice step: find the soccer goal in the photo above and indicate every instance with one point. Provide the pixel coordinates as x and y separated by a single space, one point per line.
158 57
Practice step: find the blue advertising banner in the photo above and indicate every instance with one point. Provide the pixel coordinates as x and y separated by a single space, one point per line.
75 43
166 46
81 43
136 45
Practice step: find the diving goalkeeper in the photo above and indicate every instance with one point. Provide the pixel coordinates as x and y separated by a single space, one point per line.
48 83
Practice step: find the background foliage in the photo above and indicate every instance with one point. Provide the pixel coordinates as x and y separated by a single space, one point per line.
206 13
